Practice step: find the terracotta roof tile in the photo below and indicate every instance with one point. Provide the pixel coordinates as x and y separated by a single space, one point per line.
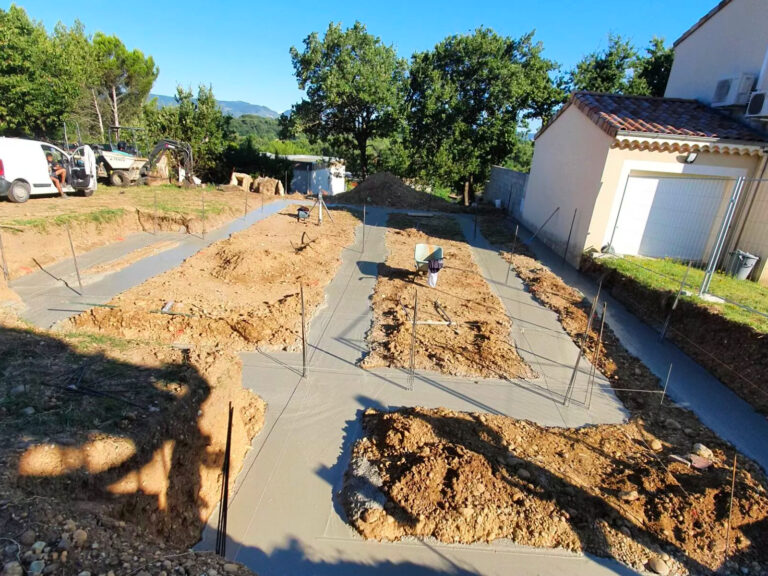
673 117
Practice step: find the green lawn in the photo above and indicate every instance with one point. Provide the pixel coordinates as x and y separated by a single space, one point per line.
667 274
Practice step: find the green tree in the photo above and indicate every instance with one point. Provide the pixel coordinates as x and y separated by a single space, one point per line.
620 69
35 90
468 98
608 70
355 87
199 121
79 60
125 77
651 71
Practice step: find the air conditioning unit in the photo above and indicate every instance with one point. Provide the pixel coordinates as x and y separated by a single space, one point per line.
734 91
758 106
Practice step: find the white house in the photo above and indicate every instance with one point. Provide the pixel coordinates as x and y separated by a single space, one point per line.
654 176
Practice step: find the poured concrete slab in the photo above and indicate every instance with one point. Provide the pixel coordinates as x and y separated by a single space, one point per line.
284 517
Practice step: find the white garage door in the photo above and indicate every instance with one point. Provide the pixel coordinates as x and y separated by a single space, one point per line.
668 217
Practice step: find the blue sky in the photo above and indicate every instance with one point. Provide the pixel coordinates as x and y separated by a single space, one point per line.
241 47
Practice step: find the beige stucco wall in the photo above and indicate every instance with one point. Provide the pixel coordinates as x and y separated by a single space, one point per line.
568 159
732 42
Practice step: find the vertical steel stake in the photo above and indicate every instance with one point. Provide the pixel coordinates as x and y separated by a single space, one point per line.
596 359
666 383
5 263
568 242
245 209
730 510
413 340
74 258
221 534
154 223
674 304
363 226
514 243
303 337
572 382
202 200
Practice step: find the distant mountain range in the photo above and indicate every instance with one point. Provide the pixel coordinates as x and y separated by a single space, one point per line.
234 107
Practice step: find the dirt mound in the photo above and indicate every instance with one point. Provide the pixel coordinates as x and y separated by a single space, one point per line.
478 341
239 293
466 478
385 189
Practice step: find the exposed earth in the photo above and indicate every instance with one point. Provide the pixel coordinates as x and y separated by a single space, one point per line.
34 233
478 341
385 189
239 293
608 490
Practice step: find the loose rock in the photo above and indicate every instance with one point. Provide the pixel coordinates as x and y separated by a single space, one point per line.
658 566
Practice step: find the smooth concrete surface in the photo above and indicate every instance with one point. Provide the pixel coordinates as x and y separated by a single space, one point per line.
690 385
284 516
52 294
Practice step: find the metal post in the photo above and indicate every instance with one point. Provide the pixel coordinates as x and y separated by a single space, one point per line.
285 189
514 242
568 242
556 210
5 263
221 534
722 235
730 511
618 214
572 382
474 233
596 359
154 217
663 331
320 206
202 199
413 340
74 258
363 226
303 336
666 383
245 208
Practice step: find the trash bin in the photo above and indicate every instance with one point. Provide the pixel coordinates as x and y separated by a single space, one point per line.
741 264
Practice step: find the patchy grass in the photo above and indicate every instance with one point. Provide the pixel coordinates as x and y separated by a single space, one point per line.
100 216
666 275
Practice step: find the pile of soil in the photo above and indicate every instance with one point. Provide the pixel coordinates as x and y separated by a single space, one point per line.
385 189
125 440
239 293
736 354
466 478
477 343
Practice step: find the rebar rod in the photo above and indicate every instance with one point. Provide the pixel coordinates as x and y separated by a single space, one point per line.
74 259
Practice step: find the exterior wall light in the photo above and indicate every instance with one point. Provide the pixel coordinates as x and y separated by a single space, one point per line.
691 157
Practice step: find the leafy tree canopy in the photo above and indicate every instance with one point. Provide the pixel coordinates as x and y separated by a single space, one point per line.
468 98
621 69
35 89
354 85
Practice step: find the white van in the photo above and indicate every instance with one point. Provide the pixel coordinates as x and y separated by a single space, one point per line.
24 169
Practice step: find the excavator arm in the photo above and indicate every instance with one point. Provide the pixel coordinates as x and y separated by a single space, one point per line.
180 150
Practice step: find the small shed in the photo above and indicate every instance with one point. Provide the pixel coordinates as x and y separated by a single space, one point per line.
313 174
